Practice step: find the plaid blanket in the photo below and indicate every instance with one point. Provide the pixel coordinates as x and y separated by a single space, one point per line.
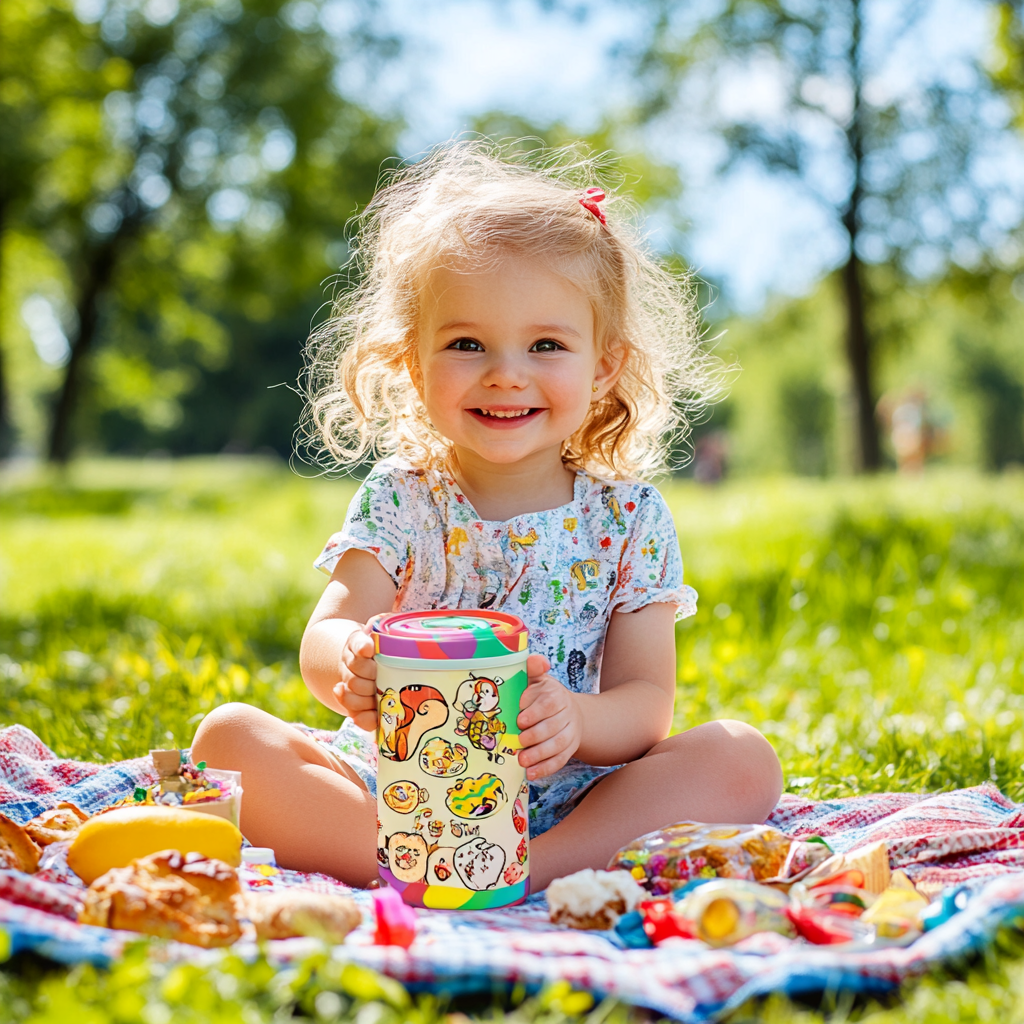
971 836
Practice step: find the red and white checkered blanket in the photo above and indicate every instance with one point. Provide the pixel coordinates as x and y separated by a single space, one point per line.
973 836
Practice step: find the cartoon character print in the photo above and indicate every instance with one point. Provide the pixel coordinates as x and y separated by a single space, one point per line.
479 864
476 797
407 856
405 716
442 759
527 540
460 829
576 670
441 865
522 851
585 573
513 873
519 809
479 703
404 797
611 503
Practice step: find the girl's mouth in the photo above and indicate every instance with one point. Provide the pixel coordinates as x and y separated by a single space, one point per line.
504 419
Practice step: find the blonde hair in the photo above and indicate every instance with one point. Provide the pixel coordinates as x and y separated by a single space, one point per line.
472 204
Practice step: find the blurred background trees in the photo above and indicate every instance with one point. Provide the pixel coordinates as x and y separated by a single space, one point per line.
177 180
176 177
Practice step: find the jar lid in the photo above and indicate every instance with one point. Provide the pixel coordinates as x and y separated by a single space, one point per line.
445 634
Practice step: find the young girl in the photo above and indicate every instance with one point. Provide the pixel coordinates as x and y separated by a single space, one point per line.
519 354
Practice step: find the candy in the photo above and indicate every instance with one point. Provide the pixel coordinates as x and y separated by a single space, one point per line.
396 922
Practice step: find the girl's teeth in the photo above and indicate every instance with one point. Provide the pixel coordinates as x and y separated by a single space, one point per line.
505 415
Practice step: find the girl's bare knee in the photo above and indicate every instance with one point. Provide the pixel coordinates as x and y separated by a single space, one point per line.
226 732
754 761
747 764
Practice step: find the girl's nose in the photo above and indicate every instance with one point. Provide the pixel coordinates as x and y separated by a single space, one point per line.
504 372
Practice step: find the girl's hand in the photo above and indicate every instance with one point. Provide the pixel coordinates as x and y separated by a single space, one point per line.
357 691
550 720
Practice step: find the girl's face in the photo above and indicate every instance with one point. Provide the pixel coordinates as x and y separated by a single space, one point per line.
508 361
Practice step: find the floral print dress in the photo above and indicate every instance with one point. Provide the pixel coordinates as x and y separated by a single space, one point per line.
563 571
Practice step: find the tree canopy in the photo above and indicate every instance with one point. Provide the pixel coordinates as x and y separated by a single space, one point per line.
186 168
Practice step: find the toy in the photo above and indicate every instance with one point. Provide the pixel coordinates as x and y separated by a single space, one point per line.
396 922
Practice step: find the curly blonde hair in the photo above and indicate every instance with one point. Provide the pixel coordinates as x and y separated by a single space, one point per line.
473 204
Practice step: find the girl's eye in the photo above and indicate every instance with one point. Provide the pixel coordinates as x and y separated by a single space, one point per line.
546 345
466 345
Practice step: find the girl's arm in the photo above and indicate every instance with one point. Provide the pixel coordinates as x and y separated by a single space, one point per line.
632 712
336 656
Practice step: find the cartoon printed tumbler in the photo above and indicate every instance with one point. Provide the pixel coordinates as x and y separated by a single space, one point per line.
451 794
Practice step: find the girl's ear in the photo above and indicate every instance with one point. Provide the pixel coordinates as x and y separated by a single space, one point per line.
609 367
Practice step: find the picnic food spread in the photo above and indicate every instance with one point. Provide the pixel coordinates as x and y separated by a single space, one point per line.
695 889
115 838
452 805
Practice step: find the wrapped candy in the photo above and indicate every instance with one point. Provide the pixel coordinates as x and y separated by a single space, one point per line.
665 860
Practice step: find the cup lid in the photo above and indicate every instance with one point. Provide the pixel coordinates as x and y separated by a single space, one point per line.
446 634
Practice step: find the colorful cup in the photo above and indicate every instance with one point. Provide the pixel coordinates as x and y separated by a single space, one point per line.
452 798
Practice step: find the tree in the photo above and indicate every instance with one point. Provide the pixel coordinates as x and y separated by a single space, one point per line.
200 161
894 166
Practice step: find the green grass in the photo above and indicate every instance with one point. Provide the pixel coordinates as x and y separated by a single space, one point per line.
873 629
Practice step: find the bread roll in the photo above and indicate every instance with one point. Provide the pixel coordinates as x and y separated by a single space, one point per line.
291 912
189 898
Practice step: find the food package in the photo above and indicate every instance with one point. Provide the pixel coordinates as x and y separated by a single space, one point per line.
897 911
723 912
195 787
868 868
664 860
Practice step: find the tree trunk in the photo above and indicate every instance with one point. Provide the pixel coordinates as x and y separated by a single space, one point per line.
858 355
101 270
6 420
859 343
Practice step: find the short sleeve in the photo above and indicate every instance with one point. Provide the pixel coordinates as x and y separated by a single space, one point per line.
378 521
651 567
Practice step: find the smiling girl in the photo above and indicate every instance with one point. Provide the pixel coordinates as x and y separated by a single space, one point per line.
521 357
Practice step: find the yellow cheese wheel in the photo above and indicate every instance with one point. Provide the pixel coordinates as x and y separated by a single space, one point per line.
115 839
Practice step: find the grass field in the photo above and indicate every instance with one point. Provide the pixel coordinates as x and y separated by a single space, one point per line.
874 630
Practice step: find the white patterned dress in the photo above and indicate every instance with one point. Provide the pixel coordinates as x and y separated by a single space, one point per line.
563 571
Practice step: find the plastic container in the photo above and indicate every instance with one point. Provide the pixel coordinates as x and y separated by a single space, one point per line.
451 795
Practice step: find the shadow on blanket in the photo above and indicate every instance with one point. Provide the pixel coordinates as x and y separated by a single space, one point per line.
973 836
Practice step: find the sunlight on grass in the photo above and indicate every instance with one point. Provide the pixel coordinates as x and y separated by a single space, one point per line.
874 630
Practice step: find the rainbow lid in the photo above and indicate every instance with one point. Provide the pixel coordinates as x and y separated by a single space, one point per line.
443 634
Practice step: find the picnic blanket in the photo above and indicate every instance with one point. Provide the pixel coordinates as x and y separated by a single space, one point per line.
971 836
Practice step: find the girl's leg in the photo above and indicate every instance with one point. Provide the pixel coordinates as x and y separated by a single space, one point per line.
312 809
722 771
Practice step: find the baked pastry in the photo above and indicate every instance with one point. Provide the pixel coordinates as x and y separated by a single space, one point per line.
17 850
291 912
57 824
186 897
593 899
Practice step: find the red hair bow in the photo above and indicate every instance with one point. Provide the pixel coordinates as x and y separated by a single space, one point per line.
591 197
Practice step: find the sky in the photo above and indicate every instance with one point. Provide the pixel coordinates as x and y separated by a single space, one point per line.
752 234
